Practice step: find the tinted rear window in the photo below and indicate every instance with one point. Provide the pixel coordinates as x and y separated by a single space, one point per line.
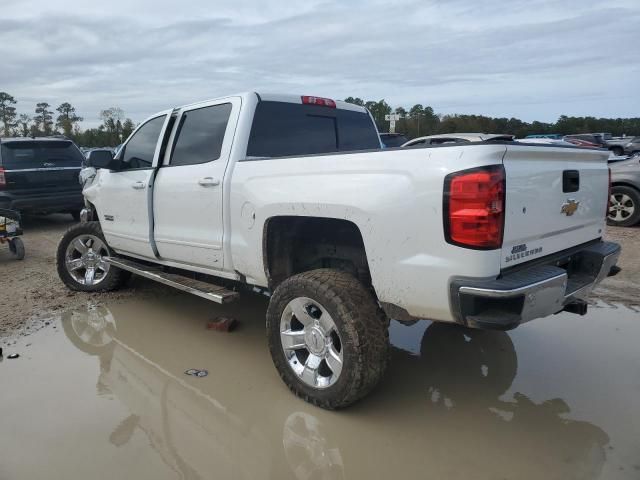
200 135
26 154
280 129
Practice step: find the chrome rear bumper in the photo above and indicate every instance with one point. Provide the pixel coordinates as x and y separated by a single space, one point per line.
532 292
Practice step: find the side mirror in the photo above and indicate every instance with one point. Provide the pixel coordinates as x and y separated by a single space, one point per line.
101 159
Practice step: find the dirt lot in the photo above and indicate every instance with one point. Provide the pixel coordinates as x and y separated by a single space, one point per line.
561 391
31 288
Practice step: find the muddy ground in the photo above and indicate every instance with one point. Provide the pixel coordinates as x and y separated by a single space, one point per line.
100 389
31 288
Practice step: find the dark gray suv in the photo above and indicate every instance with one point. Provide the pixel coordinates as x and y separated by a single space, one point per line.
632 147
40 175
624 203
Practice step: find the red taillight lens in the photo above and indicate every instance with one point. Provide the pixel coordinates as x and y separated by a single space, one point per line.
3 179
474 207
325 102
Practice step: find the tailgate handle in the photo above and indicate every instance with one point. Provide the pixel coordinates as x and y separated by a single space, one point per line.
570 181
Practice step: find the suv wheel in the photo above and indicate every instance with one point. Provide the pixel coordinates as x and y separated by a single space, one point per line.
328 337
80 260
624 206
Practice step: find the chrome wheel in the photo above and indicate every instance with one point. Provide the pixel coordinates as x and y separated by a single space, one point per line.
621 207
84 260
311 342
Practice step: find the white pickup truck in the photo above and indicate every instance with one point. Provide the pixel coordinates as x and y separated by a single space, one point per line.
294 195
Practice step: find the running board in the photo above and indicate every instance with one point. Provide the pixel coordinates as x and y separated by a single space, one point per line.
208 291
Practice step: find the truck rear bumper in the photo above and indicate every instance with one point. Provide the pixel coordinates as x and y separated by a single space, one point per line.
532 292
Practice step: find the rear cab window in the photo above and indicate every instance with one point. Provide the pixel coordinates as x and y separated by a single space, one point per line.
21 154
200 135
283 129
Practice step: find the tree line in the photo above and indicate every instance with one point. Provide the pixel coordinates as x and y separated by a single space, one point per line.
415 122
115 128
418 121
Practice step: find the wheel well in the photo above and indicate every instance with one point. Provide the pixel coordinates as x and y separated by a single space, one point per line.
297 244
624 184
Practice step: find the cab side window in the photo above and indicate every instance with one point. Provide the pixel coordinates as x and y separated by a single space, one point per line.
200 135
139 150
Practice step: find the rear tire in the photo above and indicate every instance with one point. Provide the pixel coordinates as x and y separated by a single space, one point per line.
337 316
624 206
79 260
617 151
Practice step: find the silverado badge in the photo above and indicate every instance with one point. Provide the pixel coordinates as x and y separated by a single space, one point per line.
569 207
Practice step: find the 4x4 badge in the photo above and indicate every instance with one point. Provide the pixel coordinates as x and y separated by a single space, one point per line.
569 207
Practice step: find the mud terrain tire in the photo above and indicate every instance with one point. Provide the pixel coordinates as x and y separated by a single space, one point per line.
363 331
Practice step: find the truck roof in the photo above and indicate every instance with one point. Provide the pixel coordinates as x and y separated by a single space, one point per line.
34 139
284 97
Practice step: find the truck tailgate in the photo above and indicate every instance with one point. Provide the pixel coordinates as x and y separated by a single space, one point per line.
556 198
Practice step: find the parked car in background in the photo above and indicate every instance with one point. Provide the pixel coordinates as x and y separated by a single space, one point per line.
631 146
40 175
546 141
390 140
590 138
581 142
554 136
624 201
99 149
457 138
616 145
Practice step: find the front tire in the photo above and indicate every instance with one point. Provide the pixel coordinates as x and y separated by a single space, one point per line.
624 206
329 339
80 260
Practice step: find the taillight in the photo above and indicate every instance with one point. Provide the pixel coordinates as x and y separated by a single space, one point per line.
474 207
3 179
325 102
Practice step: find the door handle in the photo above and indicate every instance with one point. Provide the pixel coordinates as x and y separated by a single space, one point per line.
138 185
208 182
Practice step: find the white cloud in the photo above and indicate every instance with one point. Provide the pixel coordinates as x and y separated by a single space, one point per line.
529 59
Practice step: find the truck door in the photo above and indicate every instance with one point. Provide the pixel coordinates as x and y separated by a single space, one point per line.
123 201
189 189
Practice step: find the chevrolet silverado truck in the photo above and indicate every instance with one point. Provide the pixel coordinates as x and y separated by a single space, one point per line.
294 196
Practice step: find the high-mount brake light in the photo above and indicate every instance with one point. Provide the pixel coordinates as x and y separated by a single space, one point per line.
3 179
474 208
325 102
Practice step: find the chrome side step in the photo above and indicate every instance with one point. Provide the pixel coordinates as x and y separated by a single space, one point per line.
208 291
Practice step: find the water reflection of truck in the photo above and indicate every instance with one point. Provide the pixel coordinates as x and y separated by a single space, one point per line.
460 418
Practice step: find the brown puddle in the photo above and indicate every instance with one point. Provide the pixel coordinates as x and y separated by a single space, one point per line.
105 395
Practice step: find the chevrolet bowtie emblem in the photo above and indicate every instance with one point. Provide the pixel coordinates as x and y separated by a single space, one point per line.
569 207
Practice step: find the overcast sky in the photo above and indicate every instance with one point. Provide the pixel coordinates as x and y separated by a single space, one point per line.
533 59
